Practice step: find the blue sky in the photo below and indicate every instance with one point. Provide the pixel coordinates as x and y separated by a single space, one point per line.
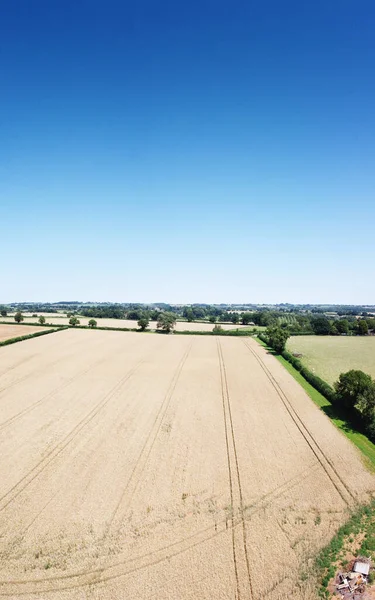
187 152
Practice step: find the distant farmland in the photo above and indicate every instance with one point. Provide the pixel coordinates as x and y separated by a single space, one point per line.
60 319
328 356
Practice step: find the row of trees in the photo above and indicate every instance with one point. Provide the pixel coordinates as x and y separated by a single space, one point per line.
166 322
325 326
311 323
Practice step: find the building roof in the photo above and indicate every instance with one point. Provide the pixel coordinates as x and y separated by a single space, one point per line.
361 567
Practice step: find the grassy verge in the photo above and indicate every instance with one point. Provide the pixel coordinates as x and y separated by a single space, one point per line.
21 338
355 538
338 418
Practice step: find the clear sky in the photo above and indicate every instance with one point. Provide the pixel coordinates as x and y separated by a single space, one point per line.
201 151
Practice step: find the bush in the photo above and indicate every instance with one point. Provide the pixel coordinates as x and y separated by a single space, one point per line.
218 329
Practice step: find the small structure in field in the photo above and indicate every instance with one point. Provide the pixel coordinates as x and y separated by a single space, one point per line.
352 584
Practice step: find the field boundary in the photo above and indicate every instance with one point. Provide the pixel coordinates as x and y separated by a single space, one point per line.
34 324
22 338
231 332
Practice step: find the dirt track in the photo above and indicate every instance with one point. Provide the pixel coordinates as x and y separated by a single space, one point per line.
168 467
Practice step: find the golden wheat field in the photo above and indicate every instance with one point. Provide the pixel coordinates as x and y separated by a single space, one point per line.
163 467
124 323
10 331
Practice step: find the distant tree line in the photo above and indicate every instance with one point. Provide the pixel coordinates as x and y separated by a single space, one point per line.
318 320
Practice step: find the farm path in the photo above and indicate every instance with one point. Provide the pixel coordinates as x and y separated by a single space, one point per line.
168 467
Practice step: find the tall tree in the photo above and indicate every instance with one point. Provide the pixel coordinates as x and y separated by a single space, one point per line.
362 327
166 321
188 314
321 326
143 323
342 326
246 318
277 338
352 386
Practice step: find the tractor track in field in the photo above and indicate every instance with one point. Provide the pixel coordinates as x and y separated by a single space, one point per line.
67 383
234 480
32 374
152 435
149 443
101 574
42 370
306 433
27 479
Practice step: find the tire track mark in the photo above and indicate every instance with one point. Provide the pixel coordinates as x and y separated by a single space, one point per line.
234 481
24 377
64 385
186 544
42 370
150 440
27 479
305 432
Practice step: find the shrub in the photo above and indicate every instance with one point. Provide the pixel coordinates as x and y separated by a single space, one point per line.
218 329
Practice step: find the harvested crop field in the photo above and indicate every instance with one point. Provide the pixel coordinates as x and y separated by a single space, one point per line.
168 467
328 356
8 332
127 324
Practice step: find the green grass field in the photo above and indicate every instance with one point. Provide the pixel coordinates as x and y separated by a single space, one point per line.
328 356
